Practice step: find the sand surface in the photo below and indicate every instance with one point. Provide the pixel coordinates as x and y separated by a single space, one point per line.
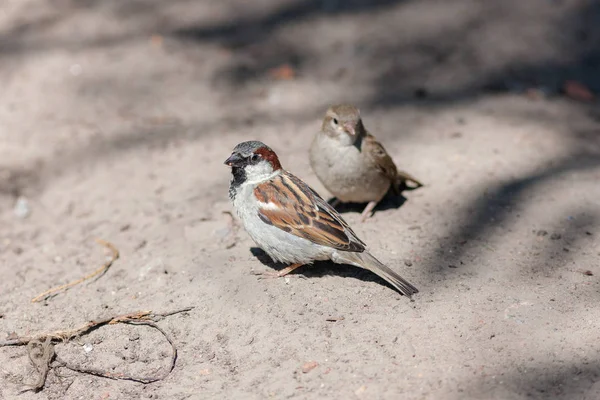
116 117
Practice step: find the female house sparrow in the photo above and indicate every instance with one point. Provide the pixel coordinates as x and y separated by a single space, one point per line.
290 221
351 163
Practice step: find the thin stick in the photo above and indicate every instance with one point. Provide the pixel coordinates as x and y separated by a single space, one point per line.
66 335
99 272
42 362
123 376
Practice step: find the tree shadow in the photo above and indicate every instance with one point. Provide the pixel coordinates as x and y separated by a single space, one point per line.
578 380
496 206
576 57
248 30
33 33
383 64
256 39
570 234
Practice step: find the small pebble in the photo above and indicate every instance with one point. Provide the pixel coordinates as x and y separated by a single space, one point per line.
309 366
88 347
22 208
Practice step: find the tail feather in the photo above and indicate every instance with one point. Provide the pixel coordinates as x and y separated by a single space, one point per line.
367 261
401 181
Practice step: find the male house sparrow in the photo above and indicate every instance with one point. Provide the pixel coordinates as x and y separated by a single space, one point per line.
351 163
290 221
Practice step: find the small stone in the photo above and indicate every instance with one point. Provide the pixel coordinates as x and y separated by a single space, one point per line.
408 263
88 347
555 236
309 366
22 208
541 232
360 390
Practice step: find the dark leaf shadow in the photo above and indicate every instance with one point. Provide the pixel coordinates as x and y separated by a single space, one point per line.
250 30
256 37
577 380
495 207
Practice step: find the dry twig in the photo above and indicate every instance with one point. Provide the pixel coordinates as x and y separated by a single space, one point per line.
41 355
98 273
42 360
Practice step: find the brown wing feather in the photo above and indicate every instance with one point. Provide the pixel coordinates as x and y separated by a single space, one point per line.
291 205
384 162
380 157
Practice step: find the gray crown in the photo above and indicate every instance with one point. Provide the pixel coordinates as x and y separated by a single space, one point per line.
248 148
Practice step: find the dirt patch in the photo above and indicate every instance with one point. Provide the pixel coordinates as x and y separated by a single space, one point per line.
115 123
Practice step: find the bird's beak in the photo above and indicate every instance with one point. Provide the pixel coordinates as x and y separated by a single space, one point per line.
349 129
234 160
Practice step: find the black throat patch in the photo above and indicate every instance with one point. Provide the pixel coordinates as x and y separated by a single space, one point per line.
238 177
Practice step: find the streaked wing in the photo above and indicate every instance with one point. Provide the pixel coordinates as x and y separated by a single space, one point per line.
385 164
291 205
380 157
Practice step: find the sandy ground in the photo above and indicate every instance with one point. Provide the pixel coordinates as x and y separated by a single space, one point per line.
115 119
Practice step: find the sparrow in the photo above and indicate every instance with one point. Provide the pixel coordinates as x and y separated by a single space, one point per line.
290 221
351 163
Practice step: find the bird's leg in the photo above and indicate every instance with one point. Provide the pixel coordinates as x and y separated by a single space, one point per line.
368 210
278 274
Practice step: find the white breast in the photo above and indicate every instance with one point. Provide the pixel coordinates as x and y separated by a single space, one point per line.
279 245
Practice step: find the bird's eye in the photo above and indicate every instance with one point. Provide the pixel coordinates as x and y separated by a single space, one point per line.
335 121
254 157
